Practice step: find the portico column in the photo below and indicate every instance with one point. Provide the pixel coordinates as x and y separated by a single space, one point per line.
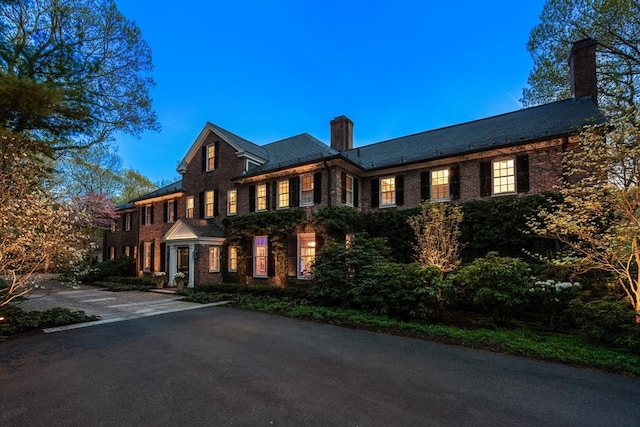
192 264
173 262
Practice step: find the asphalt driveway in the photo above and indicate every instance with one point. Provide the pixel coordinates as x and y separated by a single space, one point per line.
220 366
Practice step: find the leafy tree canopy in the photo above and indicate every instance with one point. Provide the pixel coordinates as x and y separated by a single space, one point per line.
72 72
614 24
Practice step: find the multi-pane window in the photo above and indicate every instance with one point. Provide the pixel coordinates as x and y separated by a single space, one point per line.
261 197
127 222
112 252
113 225
260 256
388 191
211 157
306 254
171 211
440 184
190 204
306 190
233 258
127 251
214 258
148 214
283 194
348 185
208 204
232 202
504 179
147 256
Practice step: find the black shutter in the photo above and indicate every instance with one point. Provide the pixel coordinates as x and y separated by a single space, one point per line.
356 192
143 217
201 204
204 158
217 154
271 260
248 256
317 188
175 209
216 199
252 198
375 192
163 258
399 190
454 182
485 178
267 195
319 242
141 256
522 170
294 191
165 211
274 195
343 187
425 186
292 255
151 219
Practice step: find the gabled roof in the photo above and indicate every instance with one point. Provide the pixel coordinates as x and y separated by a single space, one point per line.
174 187
240 144
193 229
515 128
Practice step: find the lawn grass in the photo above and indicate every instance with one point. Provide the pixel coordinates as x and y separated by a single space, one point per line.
570 349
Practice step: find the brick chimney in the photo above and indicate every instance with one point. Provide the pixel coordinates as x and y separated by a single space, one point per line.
341 133
582 68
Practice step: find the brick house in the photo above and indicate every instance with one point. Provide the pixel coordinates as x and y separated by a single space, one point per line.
179 227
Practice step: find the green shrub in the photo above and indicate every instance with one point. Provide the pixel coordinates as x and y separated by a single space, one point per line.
17 321
121 266
609 322
497 286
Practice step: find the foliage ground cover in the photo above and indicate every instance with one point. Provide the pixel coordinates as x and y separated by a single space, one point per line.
459 328
17 321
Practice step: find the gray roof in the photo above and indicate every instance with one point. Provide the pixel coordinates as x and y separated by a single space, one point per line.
204 227
297 149
174 187
515 128
240 142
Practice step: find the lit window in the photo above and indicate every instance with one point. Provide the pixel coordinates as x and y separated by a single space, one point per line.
306 190
214 258
171 211
113 225
260 256
233 258
208 204
306 254
148 214
261 197
112 252
127 251
348 185
147 256
504 180
211 157
440 184
127 222
232 202
283 194
387 192
189 207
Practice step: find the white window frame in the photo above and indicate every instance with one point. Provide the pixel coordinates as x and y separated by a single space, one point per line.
190 207
440 178
233 259
503 182
392 191
232 202
306 245
261 256
209 206
348 185
306 190
147 214
283 194
214 259
261 197
147 257
211 157
171 211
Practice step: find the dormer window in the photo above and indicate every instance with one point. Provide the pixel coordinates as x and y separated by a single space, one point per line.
211 157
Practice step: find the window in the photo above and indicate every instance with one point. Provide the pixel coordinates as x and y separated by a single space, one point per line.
260 256
189 207
171 211
232 202
147 257
233 258
112 252
214 258
306 254
148 214
208 204
504 180
306 190
348 188
261 197
127 251
113 225
440 184
283 194
127 222
387 192
211 157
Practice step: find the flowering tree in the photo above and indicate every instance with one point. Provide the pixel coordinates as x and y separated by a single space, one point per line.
599 217
37 232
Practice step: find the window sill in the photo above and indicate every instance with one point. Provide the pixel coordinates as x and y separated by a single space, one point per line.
387 206
511 193
214 271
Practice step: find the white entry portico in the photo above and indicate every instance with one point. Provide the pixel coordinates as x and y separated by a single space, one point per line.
191 235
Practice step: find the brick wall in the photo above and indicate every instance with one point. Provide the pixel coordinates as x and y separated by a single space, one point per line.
120 237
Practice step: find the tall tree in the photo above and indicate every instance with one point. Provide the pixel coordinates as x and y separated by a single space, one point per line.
134 185
72 72
614 24
96 170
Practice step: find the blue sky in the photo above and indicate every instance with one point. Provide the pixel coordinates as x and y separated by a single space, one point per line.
267 70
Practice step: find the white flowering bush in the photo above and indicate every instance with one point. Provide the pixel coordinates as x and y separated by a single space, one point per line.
159 274
551 298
